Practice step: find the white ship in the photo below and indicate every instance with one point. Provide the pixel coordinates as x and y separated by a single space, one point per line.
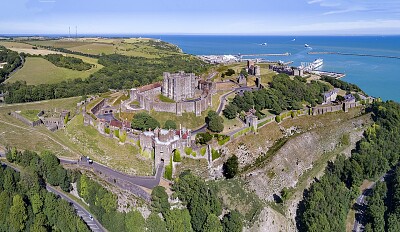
306 45
317 63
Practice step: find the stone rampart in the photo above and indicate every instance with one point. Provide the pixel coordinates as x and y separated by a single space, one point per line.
26 121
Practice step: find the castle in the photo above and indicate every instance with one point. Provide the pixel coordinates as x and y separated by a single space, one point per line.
163 142
181 88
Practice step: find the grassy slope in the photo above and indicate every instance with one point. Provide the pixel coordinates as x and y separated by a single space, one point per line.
77 138
37 70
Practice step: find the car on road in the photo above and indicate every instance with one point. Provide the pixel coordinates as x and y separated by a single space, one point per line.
91 217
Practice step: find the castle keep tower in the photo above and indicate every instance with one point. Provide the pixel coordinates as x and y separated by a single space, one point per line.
179 86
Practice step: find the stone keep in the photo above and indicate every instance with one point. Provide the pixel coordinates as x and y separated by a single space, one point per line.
179 86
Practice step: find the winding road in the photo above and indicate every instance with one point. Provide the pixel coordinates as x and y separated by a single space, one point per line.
122 180
361 204
92 222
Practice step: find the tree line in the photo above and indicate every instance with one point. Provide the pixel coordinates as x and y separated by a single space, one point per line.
327 202
382 211
68 62
26 205
283 94
13 61
202 208
119 72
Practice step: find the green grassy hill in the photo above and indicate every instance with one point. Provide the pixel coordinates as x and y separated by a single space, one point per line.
37 71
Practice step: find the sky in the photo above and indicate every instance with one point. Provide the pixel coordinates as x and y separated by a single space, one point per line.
259 17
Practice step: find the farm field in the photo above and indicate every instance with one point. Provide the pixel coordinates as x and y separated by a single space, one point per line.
38 70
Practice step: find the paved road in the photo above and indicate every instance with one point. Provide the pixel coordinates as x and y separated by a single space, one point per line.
122 180
362 203
93 224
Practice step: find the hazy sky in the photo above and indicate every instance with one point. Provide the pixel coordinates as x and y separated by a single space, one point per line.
282 17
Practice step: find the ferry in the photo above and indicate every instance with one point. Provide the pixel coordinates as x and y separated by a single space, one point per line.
306 45
317 63
264 44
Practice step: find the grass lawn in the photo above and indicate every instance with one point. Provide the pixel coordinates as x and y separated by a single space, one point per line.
94 48
231 124
87 140
165 99
37 71
30 114
187 120
14 133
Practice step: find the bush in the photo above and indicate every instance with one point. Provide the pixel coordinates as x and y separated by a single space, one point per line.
122 137
116 133
231 167
169 124
107 130
168 171
203 151
188 150
177 156
203 138
278 118
215 154
194 154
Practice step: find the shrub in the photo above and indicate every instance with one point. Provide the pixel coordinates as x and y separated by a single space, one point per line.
203 151
231 167
107 130
215 154
177 156
278 118
188 150
116 133
122 137
203 138
168 171
194 154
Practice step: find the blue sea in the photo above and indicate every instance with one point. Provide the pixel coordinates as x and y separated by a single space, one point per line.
378 77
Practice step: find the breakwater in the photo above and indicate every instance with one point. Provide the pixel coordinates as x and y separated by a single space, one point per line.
353 54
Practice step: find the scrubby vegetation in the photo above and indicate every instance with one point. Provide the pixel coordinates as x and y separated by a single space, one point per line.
68 62
327 202
283 94
341 84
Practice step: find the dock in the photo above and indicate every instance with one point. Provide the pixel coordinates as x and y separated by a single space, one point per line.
335 75
353 54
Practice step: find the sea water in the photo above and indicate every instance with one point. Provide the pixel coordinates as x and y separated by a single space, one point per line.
378 77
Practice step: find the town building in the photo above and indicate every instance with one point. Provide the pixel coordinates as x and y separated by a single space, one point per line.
330 96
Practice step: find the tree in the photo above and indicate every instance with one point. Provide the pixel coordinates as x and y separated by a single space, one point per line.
143 121
230 111
134 221
155 224
212 224
203 138
231 167
18 214
177 156
159 200
214 122
232 222
178 220
169 124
